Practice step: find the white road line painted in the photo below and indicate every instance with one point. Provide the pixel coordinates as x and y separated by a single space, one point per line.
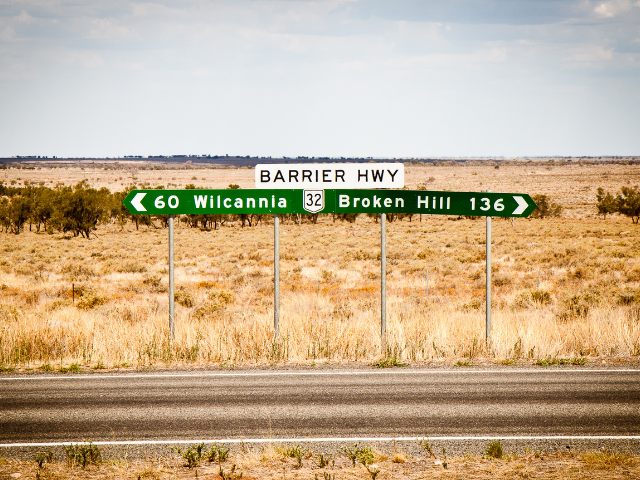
99 376
325 440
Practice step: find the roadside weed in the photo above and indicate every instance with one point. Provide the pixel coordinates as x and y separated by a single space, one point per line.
326 476
193 455
427 447
547 362
323 460
83 455
43 457
373 472
494 450
297 451
218 453
231 474
389 362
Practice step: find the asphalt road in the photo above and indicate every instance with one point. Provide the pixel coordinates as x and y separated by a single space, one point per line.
374 403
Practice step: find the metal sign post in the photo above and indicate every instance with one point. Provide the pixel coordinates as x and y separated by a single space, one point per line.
276 200
172 306
276 276
488 283
383 282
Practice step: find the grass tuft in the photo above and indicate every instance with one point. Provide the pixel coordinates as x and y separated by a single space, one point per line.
494 450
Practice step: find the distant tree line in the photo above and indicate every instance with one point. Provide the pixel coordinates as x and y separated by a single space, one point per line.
626 202
80 209
76 209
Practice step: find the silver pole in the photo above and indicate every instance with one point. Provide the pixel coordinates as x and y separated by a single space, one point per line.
488 283
383 282
172 306
276 275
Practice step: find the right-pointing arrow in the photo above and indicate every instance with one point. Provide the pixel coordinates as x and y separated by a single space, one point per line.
135 201
522 205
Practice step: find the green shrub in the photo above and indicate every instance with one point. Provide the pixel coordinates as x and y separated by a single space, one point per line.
83 455
193 455
364 455
297 451
43 457
494 450
546 208
218 454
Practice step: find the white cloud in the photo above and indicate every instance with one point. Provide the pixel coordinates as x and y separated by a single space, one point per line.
288 66
613 8
103 29
590 55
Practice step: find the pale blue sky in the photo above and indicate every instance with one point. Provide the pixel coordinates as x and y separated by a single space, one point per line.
401 78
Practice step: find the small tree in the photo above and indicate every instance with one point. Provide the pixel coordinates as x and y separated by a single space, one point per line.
546 208
79 210
607 203
19 212
629 203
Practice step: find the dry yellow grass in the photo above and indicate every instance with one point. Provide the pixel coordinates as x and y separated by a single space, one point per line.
563 288
271 465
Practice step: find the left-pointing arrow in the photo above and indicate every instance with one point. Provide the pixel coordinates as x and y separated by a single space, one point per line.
135 201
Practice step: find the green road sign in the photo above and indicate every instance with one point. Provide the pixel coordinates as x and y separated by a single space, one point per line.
257 201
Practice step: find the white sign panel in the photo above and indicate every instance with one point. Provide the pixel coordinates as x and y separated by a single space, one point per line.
330 175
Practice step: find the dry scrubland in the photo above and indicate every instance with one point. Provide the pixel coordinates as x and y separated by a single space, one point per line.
586 306
272 463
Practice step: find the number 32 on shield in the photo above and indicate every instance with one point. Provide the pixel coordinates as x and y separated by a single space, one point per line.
313 200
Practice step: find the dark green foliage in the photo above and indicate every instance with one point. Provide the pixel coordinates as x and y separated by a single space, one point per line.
298 452
363 455
389 362
629 203
607 203
18 213
546 208
193 455
83 455
218 454
43 457
323 460
427 447
80 209
347 217
494 450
